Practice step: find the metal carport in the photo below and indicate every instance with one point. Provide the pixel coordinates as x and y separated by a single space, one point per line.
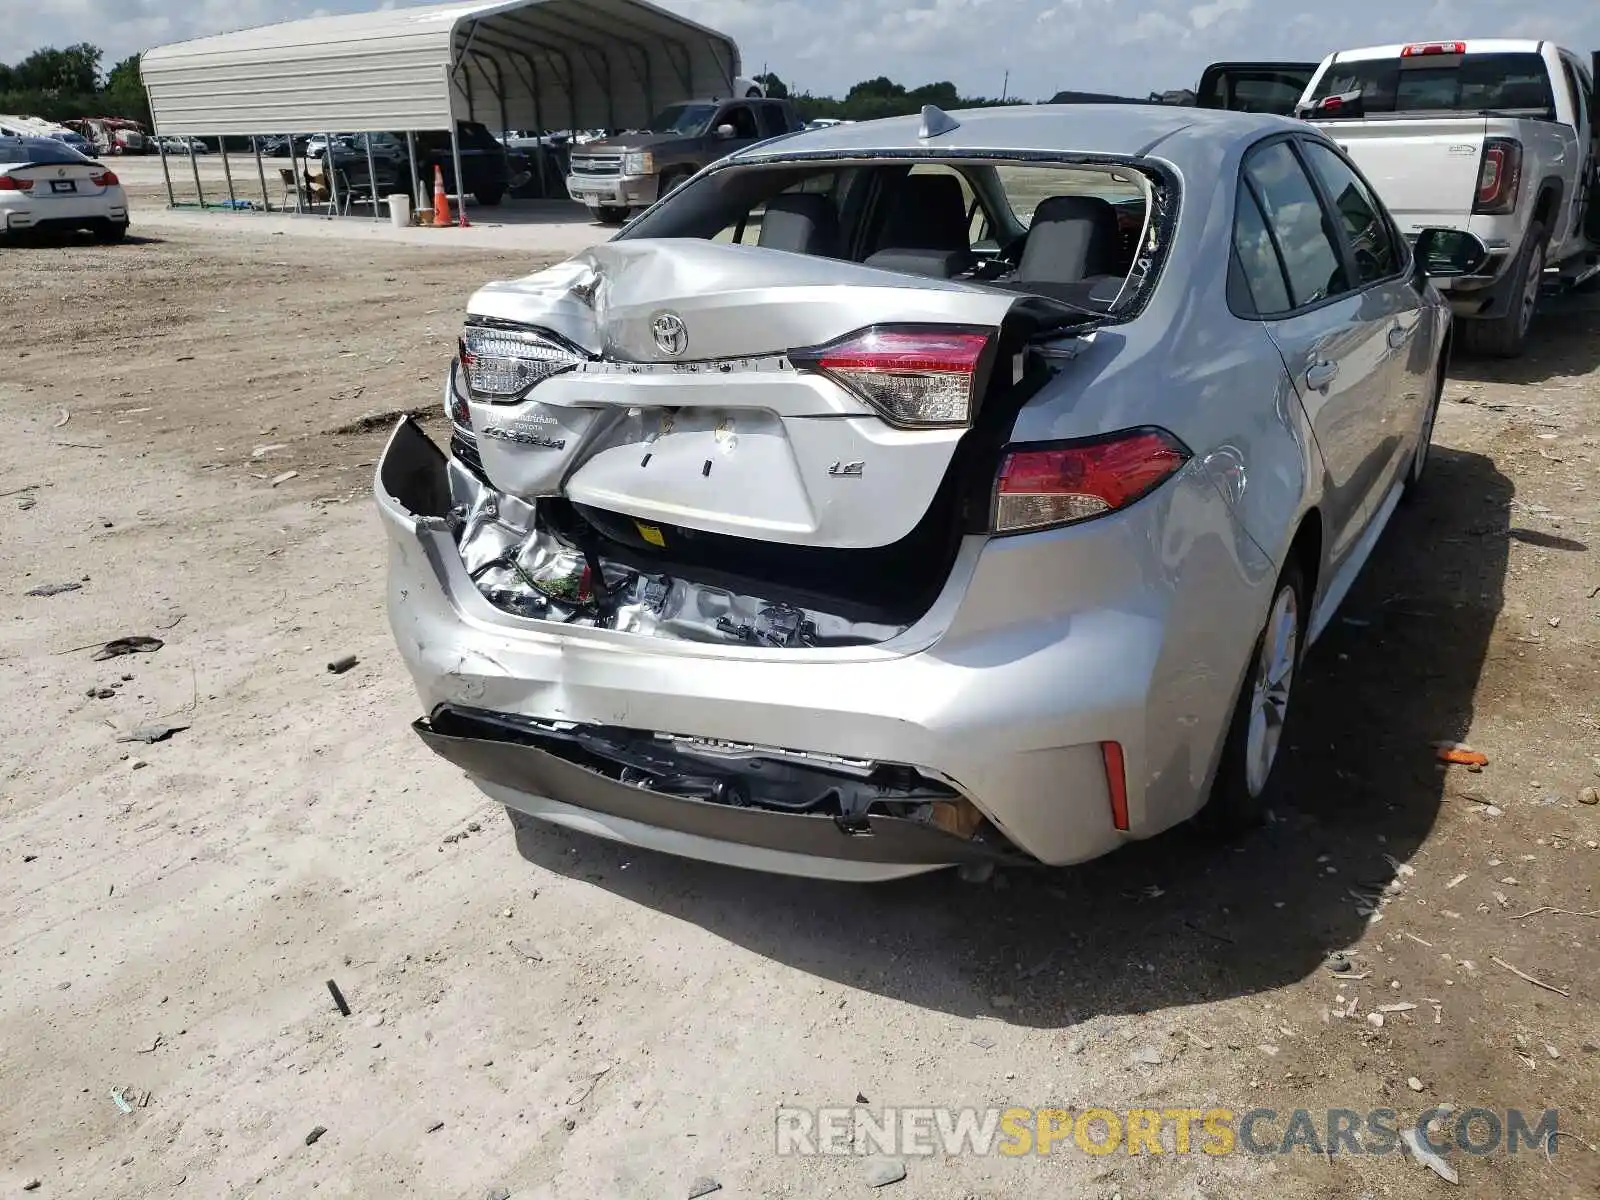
514 64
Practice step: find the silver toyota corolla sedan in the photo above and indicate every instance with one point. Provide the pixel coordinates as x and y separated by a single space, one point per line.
934 491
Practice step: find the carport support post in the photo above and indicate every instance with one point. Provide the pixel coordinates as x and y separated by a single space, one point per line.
416 180
461 184
294 170
372 177
161 149
194 166
261 173
327 172
227 171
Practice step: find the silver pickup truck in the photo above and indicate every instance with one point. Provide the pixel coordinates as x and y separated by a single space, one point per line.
1495 136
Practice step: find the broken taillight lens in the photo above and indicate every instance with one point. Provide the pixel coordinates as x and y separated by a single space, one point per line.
1499 175
915 376
502 365
1044 486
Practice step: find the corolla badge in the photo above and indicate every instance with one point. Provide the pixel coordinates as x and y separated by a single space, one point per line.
670 333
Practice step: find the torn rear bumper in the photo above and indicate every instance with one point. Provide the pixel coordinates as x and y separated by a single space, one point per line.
997 692
525 776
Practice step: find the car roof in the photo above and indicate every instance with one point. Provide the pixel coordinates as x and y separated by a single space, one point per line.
1114 130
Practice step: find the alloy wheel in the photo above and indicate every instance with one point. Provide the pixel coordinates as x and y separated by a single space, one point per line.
1269 694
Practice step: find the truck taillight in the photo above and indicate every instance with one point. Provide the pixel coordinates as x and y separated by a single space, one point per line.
1499 175
915 376
1057 484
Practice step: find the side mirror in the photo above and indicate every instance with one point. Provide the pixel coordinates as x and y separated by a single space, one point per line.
1347 104
1449 253
725 131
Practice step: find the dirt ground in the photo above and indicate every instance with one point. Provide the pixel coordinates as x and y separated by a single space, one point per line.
558 1017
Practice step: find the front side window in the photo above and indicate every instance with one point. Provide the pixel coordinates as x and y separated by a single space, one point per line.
685 120
1310 253
1376 254
742 120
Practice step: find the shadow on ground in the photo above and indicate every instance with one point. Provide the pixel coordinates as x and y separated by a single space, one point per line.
1177 920
1564 340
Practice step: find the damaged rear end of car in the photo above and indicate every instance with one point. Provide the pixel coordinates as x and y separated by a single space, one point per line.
710 506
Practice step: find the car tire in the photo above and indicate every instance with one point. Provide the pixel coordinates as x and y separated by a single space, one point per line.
1247 772
672 181
110 232
610 214
490 198
1506 336
1423 452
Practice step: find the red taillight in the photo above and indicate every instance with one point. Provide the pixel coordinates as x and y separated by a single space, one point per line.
1417 49
105 179
916 376
1116 783
1043 487
1499 175
10 184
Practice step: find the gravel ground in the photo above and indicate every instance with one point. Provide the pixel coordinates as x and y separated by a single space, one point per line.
557 1017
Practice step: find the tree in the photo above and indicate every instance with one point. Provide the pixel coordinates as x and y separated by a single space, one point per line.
125 95
881 88
773 86
74 71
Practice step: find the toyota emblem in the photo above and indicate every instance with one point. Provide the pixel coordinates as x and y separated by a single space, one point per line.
670 333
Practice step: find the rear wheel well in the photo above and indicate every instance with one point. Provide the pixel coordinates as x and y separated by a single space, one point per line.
1548 204
1306 550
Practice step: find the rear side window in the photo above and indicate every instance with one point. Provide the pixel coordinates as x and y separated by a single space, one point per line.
1310 253
1376 254
1579 89
1258 257
1445 82
773 121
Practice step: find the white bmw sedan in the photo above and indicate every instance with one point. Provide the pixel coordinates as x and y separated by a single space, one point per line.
46 184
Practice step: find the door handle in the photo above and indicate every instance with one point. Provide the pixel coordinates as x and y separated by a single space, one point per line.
1399 335
1321 374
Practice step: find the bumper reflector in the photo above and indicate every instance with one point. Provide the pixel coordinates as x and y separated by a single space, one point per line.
1116 783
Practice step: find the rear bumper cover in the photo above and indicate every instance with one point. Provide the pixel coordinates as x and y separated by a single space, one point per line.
489 751
997 692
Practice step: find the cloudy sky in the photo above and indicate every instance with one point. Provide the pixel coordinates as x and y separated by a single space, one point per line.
826 45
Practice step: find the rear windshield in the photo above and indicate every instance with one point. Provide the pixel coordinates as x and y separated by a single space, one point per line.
1254 90
1072 232
1449 83
38 150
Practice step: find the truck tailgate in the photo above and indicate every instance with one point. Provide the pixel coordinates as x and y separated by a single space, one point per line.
1425 169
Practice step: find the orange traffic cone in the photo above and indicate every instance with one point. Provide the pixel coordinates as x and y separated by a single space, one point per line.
441 202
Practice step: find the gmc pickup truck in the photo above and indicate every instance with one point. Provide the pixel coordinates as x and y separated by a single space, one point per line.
622 174
1493 136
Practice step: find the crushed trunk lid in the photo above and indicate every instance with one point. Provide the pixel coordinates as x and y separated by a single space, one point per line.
687 401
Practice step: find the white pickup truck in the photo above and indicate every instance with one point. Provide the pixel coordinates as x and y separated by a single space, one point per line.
1493 136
